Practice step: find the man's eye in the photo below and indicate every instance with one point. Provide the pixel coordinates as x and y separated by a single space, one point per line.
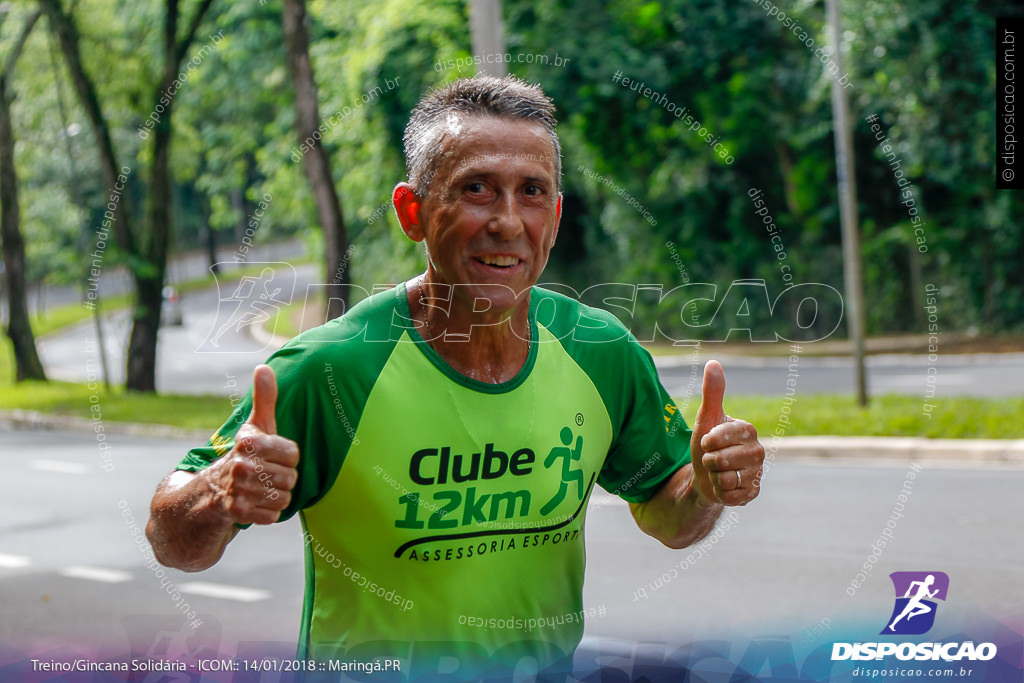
475 188
534 190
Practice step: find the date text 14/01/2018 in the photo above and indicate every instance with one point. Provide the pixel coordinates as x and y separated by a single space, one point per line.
296 665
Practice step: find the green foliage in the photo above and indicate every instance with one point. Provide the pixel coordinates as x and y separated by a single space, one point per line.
383 52
765 94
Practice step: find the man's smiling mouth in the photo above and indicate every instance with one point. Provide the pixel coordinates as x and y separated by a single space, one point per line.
499 261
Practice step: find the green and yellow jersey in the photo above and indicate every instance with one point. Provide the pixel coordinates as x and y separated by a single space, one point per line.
443 515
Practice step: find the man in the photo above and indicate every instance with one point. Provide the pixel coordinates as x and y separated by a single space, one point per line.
441 440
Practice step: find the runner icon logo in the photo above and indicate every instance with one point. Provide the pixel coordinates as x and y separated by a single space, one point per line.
916 593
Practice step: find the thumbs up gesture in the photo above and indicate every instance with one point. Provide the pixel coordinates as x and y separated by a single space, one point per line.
253 482
727 457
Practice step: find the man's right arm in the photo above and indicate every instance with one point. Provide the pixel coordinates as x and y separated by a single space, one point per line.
186 528
194 516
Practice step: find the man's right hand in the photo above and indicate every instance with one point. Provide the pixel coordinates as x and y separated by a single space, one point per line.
253 482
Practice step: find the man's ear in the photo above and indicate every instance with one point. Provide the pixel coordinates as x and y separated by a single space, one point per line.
407 206
558 219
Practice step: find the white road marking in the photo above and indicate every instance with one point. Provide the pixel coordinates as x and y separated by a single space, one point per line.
59 466
219 590
96 574
14 561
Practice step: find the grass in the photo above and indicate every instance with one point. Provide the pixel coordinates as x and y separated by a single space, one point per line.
886 415
62 316
117 405
288 321
819 414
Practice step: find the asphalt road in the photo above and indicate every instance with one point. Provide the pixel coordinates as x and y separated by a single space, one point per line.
73 576
190 266
205 355
984 375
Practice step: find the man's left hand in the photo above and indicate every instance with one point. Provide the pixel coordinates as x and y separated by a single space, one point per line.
727 457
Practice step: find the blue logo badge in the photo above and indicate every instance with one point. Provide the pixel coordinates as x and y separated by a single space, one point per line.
916 593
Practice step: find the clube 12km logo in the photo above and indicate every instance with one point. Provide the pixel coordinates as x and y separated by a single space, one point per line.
913 614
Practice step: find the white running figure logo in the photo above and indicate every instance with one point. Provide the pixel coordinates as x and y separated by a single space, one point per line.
250 310
915 606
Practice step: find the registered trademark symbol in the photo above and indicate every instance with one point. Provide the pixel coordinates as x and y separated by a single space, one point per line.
579 419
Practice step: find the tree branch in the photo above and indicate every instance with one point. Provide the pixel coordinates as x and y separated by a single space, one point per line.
22 39
183 44
63 26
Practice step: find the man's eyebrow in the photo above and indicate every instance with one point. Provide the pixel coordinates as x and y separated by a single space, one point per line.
464 173
469 171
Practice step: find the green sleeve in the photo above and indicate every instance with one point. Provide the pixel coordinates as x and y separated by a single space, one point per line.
653 440
650 439
299 417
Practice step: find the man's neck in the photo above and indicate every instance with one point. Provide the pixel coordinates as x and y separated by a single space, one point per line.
490 347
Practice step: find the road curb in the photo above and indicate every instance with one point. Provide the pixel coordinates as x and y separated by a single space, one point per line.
877 360
905 449
31 419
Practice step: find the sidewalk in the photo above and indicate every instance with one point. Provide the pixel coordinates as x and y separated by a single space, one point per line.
31 419
905 449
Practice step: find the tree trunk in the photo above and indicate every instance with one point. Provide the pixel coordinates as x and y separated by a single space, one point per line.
789 185
916 287
150 261
140 374
316 161
19 329
63 26
209 234
238 204
141 365
149 280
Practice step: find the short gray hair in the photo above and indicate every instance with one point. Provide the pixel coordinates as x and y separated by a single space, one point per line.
508 98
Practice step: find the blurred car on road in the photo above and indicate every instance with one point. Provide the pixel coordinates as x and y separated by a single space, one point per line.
171 310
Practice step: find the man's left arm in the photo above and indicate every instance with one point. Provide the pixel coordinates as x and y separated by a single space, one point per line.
725 469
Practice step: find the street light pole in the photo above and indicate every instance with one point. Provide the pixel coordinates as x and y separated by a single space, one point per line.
488 29
847 182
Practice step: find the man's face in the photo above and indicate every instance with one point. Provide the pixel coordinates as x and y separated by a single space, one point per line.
492 211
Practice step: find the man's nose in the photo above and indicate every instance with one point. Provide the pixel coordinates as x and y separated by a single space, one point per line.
506 222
